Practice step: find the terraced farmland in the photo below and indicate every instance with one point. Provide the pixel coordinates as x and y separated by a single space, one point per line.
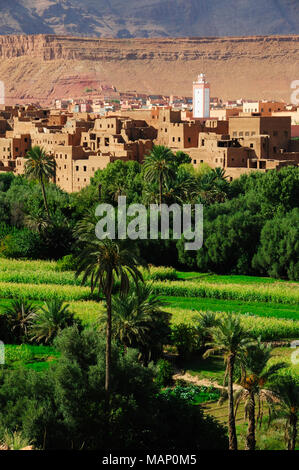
269 308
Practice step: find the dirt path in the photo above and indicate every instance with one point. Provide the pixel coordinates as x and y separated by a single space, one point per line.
201 382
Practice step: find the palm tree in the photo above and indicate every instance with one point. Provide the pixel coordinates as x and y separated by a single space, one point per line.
255 374
286 389
229 338
158 166
209 190
37 222
50 320
19 315
204 322
219 173
135 317
84 231
181 188
130 322
103 262
40 166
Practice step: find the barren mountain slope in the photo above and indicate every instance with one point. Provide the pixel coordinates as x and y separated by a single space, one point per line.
42 67
149 18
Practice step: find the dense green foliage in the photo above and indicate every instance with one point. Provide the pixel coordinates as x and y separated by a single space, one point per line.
193 394
63 407
238 216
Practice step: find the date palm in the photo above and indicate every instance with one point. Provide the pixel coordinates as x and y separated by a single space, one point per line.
103 262
158 166
37 222
42 167
50 320
19 315
84 231
181 188
286 389
230 339
130 322
136 316
204 322
219 173
255 374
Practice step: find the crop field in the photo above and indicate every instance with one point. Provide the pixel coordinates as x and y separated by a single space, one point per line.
279 293
261 309
269 308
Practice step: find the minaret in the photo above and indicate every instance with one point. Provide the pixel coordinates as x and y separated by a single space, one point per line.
201 98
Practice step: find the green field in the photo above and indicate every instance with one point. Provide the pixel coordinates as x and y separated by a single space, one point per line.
213 368
229 279
269 308
29 356
262 309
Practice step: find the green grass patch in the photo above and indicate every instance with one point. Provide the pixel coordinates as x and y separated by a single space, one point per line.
212 368
262 309
230 278
29 356
267 437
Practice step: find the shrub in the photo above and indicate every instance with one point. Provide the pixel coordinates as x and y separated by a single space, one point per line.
67 263
193 394
6 333
21 244
15 440
161 274
52 318
20 314
186 339
278 252
164 373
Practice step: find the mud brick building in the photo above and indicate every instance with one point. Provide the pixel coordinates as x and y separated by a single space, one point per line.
83 143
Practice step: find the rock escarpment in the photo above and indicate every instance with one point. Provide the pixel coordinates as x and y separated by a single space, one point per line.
256 67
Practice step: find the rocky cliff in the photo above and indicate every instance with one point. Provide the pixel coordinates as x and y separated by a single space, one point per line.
34 67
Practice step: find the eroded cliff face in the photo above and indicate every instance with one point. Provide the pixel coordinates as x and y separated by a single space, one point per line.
251 67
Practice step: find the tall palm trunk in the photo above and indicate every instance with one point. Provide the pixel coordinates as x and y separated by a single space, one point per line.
250 437
232 435
108 351
44 197
293 425
160 188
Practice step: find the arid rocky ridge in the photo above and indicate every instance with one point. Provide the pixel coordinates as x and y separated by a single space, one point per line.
149 18
42 67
